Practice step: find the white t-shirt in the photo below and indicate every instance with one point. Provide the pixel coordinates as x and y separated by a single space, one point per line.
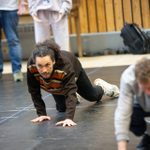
8 4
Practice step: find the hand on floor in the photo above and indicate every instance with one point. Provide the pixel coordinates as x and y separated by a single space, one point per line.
66 122
40 119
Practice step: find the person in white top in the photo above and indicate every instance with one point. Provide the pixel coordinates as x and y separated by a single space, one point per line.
134 105
9 22
51 15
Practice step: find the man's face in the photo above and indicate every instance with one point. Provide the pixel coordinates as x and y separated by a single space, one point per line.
44 66
145 87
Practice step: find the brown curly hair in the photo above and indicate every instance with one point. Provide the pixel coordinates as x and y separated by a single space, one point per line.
142 70
48 48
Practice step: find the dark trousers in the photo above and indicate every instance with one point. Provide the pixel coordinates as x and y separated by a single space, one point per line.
138 124
85 89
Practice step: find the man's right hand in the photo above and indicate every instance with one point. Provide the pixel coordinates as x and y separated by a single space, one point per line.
41 119
35 18
122 145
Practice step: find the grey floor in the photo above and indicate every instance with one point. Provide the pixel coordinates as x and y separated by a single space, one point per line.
95 129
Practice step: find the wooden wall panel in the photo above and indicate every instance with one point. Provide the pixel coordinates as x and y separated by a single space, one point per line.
110 15
106 15
145 6
127 11
136 10
83 16
101 15
118 14
92 19
72 28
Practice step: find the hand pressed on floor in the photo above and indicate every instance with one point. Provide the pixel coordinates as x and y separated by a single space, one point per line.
66 122
41 119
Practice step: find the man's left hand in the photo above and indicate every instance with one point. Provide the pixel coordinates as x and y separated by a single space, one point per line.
40 119
66 122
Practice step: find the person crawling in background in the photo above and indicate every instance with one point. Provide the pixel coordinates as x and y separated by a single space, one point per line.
133 105
61 74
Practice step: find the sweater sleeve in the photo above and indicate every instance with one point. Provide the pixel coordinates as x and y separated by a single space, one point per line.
70 89
124 107
66 6
70 94
34 90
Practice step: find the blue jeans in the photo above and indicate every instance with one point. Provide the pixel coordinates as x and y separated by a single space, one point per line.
9 22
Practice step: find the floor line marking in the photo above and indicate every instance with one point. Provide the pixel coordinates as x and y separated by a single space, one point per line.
8 117
93 71
19 112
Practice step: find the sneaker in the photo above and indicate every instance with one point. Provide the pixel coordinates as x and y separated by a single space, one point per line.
109 89
144 143
18 77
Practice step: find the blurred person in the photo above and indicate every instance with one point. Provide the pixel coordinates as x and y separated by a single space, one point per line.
9 22
134 105
51 15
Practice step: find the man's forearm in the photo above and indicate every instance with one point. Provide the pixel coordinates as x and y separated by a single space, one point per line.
39 105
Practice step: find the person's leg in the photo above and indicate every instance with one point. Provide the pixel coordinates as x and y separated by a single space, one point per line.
61 33
60 102
100 88
42 29
147 120
1 54
138 126
10 24
87 90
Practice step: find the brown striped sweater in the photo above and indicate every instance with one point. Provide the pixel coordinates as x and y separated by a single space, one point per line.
61 82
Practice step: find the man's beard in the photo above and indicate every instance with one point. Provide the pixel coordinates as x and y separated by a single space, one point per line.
46 74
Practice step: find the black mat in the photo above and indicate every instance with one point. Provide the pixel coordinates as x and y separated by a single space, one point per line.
95 129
